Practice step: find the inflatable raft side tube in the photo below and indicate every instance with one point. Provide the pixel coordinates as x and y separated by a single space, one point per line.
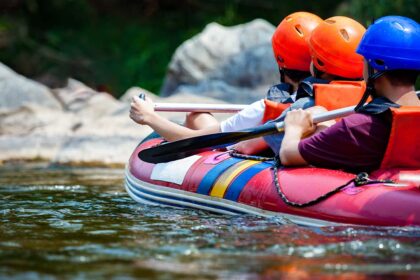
152 194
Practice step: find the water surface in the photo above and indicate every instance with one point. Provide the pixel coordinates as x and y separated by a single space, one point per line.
79 223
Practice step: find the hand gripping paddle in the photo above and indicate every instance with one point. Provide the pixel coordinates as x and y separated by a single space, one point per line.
183 148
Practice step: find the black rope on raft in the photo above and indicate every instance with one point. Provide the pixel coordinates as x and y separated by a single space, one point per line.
236 154
361 179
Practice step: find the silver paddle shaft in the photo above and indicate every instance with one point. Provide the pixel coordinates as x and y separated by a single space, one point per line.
339 113
190 107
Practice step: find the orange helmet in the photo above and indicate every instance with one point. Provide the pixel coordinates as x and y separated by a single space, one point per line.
290 40
333 47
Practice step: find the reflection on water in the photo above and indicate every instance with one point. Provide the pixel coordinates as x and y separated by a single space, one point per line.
80 223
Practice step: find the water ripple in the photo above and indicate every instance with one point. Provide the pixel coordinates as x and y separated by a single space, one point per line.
78 223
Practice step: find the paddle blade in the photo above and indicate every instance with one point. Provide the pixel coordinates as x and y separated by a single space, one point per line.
183 148
187 147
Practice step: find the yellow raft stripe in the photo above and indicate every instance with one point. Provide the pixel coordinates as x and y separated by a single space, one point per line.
227 177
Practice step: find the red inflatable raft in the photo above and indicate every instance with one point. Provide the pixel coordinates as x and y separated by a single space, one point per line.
218 182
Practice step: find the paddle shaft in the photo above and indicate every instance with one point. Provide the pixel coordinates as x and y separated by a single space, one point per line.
190 107
211 108
183 148
323 117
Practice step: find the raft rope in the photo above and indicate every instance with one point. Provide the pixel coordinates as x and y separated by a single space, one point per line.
361 179
236 154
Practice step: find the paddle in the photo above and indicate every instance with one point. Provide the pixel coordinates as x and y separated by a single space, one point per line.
183 148
189 107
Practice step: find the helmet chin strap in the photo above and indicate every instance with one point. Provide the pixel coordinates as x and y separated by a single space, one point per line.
317 73
282 80
370 87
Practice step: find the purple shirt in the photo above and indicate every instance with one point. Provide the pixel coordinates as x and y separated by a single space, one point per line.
356 143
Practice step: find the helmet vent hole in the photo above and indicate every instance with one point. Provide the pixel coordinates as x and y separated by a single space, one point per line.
299 30
344 34
288 18
280 59
320 63
330 21
380 62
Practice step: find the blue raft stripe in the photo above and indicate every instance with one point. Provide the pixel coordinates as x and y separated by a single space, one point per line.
136 190
239 183
210 178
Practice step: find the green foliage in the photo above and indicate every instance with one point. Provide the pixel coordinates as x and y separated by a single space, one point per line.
367 10
115 44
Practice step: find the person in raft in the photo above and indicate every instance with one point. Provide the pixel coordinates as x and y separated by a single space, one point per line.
385 132
291 50
332 46
342 64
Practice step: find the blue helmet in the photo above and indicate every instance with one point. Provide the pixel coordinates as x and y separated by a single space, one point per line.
392 42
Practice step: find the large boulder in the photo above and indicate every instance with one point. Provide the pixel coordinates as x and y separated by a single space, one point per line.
33 132
221 90
77 125
236 58
16 91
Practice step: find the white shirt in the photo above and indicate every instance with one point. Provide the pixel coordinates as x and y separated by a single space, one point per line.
249 117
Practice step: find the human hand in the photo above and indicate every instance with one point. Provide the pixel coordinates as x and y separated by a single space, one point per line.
300 121
142 111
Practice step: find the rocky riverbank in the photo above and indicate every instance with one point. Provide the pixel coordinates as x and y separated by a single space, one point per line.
76 125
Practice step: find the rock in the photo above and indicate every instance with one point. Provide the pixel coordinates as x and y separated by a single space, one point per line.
185 97
78 98
32 119
135 91
223 91
239 56
16 91
74 96
94 129
77 125
33 132
97 150
29 148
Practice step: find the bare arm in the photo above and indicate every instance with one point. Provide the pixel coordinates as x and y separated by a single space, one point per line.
252 146
298 124
142 112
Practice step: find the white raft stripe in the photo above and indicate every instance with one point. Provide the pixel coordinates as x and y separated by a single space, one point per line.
158 200
173 171
181 201
148 193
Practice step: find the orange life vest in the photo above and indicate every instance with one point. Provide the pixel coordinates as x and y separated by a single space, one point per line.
335 95
403 148
339 94
273 109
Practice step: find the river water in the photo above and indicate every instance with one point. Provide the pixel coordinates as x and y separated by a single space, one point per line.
80 224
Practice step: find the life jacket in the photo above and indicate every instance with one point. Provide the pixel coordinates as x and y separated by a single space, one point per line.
273 110
335 95
339 94
403 148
